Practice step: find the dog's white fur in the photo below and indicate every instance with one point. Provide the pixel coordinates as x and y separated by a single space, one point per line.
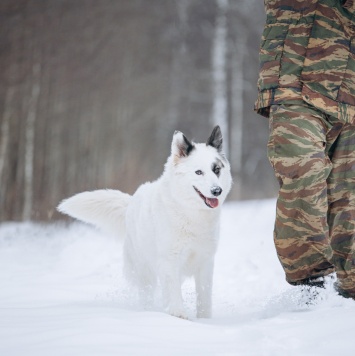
171 232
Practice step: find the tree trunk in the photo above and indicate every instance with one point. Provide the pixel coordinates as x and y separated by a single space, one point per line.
219 70
30 141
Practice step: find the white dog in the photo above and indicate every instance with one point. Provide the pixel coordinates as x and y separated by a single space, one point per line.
172 224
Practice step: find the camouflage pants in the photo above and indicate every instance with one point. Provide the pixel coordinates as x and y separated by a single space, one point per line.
313 156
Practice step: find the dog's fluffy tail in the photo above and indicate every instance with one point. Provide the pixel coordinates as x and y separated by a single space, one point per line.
105 209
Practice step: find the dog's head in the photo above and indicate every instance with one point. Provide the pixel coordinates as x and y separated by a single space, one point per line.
201 173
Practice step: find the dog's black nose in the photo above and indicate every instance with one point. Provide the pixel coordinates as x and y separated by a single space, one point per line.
216 191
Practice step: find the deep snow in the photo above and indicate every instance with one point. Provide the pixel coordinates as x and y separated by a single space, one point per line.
62 293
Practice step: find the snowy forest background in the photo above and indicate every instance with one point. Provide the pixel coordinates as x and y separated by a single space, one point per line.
92 91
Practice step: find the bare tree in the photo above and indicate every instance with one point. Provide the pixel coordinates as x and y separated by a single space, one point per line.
5 135
237 113
219 70
30 141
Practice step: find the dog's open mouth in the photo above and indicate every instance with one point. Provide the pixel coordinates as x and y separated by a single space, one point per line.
210 202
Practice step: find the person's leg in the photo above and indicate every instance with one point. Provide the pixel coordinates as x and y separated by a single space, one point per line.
296 150
341 216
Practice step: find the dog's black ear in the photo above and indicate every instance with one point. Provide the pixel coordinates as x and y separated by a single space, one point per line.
181 146
216 140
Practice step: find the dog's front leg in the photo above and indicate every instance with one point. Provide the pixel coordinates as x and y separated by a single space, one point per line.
204 281
171 289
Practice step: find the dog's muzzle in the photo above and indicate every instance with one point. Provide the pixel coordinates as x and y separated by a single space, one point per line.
210 202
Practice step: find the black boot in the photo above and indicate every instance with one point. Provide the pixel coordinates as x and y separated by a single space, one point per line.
342 292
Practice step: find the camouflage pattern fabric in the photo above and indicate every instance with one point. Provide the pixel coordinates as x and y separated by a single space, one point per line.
308 53
313 155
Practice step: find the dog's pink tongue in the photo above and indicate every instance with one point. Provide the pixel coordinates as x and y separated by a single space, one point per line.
212 202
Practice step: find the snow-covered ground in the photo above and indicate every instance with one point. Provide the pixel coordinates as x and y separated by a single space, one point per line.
62 293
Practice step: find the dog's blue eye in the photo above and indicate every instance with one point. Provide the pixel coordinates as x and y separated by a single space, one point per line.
198 172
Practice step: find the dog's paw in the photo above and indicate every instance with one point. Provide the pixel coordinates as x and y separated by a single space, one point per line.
178 313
